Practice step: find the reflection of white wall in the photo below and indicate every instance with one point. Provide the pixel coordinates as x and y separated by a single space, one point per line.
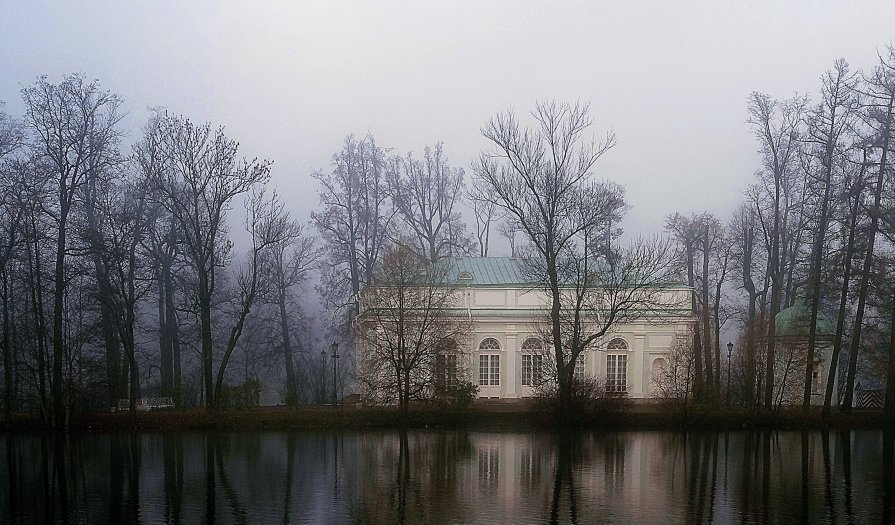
612 474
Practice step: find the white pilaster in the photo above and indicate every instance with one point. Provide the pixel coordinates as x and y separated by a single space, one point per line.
635 372
509 371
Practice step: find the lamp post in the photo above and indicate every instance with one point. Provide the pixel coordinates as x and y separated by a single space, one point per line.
335 348
323 375
729 352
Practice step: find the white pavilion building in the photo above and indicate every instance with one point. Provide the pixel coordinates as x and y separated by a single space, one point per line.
505 315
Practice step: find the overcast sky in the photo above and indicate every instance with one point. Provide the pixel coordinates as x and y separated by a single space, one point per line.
290 79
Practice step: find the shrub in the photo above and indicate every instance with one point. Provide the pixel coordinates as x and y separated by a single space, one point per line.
590 400
459 395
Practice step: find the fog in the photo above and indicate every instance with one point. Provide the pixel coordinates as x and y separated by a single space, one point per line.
289 80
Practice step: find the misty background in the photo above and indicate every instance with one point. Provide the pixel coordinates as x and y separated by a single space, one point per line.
290 79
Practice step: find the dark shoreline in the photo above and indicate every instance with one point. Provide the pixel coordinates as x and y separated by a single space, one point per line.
501 418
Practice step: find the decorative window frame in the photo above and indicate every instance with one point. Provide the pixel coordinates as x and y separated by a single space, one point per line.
606 348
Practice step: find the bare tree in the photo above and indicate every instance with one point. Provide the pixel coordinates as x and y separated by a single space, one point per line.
103 168
11 218
687 232
120 205
354 220
268 223
426 193
676 379
540 177
722 256
11 221
853 184
34 196
509 230
776 126
484 210
406 323
12 136
827 128
290 258
161 245
69 122
201 177
878 104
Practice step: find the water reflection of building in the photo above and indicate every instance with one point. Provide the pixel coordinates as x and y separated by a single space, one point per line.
450 477
590 475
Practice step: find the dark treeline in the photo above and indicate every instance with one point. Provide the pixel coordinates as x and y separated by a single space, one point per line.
120 282
118 278
815 230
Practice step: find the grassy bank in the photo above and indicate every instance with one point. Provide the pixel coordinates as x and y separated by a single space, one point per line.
503 417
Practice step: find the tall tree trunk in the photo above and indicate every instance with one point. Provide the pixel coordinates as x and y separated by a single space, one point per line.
748 283
563 380
58 321
863 288
205 324
816 268
889 407
843 297
716 312
776 285
36 288
291 386
698 381
173 336
706 316
6 344
164 340
117 384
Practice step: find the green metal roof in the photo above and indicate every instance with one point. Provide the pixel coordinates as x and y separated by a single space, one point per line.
794 321
495 271
489 271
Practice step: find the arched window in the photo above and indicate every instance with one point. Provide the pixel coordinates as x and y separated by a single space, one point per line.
532 343
489 343
532 362
446 365
617 365
447 345
580 365
657 372
617 344
489 364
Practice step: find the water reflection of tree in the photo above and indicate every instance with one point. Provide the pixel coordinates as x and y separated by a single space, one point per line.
290 474
12 477
568 453
450 449
700 452
172 465
888 439
415 478
125 460
427 477
233 501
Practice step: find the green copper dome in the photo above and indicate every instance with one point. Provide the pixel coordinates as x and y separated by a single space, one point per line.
793 321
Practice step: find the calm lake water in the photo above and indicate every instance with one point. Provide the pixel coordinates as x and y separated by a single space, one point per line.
449 477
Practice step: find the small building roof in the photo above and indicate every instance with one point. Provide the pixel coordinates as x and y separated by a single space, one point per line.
793 321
